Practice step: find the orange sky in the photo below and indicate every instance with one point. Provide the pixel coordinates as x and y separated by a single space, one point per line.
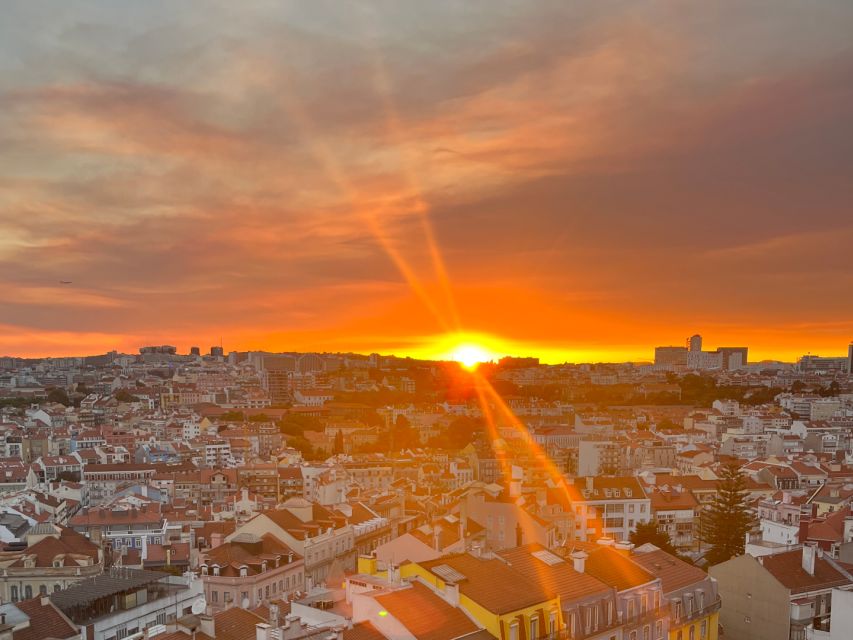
576 182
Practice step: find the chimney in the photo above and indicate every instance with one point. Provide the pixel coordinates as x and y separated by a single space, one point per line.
451 593
436 537
206 625
590 483
519 535
809 557
624 547
579 560
262 631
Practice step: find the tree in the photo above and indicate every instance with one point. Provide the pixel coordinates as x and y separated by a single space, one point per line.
403 435
648 532
339 443
58 395
123 395
727 519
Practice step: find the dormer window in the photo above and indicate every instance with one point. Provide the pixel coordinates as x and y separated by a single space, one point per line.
244 571
204 569
628 493
216 570
263 566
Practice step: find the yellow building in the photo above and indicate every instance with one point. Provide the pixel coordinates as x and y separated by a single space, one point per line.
690 594
501 600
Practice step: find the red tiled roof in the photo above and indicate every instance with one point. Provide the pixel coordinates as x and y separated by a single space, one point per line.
615 569
787 568
674 573
560 578
425 614
46 621
363 631
493 584
236 624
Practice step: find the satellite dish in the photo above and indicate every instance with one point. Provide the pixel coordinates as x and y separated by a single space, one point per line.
199 606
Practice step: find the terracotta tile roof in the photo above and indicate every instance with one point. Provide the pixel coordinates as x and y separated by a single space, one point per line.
98 517
426 615
250 553
180 635
674 573
70 547
493 584
560 578
363 631
236 624
46 621
615 569
787 568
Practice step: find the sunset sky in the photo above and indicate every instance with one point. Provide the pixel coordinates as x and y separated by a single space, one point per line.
577 180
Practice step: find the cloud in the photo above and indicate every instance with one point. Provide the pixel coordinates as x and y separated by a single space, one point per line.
615 169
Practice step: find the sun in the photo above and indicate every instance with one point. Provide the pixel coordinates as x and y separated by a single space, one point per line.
470 355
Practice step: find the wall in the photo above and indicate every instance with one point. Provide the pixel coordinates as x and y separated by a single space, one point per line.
755 605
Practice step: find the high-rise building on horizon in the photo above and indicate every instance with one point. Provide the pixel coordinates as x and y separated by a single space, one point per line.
694 343
850 359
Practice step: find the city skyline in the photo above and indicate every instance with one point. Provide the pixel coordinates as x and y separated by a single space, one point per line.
575 183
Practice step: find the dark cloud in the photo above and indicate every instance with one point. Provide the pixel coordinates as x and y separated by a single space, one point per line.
266 169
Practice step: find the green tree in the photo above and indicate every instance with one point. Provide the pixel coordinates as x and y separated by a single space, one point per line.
58 395
339 443
727 519
123 395
648 532
403 435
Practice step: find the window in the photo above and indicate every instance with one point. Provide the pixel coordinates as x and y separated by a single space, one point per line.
657 599
633 635
659 629
630 508
28 592
552 622
267 591
215 596
644 603
631 609
647 632
513 631
534 627
692 633
14 593
703 630
260 595
57 588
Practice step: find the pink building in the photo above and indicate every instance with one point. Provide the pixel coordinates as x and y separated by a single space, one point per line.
250 571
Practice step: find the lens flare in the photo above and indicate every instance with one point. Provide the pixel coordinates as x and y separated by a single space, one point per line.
470 355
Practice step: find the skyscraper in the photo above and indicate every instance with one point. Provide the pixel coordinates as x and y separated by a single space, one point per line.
694 343
850 359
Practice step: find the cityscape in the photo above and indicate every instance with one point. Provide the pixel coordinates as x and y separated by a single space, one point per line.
426 320
319 495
